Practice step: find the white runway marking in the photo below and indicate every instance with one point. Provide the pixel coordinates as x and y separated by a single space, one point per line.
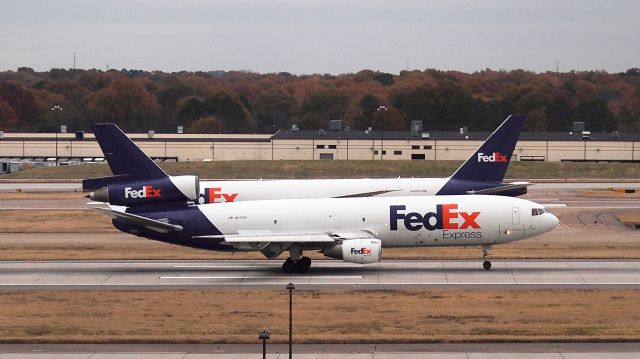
265 277
227 266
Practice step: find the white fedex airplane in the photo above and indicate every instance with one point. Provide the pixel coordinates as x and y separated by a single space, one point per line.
482 173
352 229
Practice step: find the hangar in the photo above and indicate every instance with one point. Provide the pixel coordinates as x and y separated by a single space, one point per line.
71 148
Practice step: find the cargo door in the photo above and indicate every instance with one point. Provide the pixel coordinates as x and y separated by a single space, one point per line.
515 215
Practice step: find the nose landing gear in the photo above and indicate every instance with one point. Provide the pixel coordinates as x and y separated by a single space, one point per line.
486 251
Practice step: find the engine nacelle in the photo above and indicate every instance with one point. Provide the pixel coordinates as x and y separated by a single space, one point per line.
361 251
143 192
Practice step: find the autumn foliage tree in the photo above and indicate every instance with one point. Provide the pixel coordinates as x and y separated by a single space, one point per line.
24 102
8 117
126 102
245 102
209 124
224 105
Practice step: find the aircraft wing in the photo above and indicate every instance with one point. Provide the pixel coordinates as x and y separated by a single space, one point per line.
290 237
152 224
500 189
367 194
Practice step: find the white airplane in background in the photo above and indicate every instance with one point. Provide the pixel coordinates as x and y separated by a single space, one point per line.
482 173
352 229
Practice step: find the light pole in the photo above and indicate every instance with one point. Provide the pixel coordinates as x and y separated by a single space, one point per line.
56 114
384 115
290 287
264 336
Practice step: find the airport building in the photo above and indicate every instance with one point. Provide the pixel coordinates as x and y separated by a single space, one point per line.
43 149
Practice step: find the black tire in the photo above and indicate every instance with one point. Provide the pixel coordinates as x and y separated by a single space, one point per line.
288 266
303 265
486 265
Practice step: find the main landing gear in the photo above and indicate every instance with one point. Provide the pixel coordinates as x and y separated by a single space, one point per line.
296 262
486 251
301 266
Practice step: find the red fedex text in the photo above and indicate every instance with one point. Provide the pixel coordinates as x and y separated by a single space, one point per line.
213 195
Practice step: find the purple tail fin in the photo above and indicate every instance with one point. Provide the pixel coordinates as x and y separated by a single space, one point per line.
490 162
125 158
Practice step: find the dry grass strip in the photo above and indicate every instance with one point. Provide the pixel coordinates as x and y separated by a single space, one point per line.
345 169
236 316
54 220
31 196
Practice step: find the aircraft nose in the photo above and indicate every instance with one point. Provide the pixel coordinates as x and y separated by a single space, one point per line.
553 221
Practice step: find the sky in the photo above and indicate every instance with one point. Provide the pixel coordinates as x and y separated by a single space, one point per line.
315 36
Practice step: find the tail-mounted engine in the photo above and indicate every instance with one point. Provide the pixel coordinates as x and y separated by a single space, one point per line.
361 251
143 192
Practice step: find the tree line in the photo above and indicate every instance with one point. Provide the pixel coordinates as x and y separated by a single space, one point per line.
245 102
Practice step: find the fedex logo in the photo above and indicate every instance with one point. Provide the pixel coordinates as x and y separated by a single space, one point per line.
494 157
145 192
213 195
362 251
445 217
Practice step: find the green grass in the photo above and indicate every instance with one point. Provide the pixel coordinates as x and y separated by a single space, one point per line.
346 169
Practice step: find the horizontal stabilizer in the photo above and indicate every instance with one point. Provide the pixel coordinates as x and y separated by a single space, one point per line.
501 189
152 224
92 184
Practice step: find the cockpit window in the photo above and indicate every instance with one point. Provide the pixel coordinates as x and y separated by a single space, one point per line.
537 211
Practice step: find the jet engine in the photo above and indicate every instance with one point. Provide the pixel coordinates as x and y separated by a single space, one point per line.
361 251
143 192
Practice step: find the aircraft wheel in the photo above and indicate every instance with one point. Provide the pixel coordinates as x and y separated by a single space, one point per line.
303 264
486 265
288 266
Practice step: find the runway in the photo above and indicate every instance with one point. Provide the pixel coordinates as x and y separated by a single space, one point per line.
327 351
324 274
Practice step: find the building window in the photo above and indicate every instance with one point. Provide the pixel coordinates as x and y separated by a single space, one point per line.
415 147
418 156
426 147
375 152
319 147
397 152
332 147
326 156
